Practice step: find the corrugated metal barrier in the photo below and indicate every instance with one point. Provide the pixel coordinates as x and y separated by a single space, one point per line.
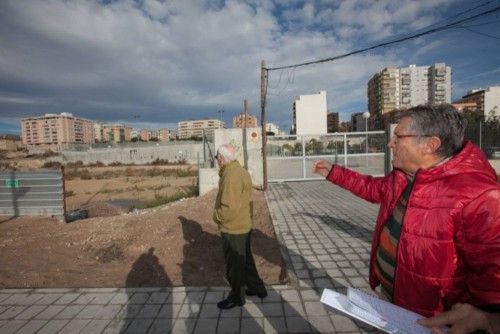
32 193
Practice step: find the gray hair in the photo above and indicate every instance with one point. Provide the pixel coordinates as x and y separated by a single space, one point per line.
442 121
227 151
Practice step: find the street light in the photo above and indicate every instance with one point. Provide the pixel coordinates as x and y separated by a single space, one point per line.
366 115
220 112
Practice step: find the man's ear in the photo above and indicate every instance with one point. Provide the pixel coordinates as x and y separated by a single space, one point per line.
432 144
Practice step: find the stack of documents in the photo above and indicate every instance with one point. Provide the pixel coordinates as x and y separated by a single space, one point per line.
373 311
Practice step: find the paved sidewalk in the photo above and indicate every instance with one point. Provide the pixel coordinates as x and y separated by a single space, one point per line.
325 234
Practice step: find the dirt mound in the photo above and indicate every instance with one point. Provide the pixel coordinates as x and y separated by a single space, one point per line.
174 245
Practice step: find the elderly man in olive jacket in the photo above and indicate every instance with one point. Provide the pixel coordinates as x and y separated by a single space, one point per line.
233 215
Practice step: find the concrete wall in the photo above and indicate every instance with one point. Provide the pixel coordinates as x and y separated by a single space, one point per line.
248 143
192 153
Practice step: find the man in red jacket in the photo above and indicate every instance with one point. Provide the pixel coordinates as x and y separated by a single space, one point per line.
437 237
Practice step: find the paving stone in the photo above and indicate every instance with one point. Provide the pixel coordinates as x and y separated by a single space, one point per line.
95 326
195 297
139 326
85 298
103 298
293 309
12 326
251 326
48 298
189 311
158 298
52 326
89 312
297 325
322 324
69 312
343 323
12 312
235 312
4 296
31 327
176 297
50 312
161 326
204 326
212 311
117 326
139 298
290 295
314 308
119 298
182 326
67 298
169 310
272 309
74 326
275 325
228 325
213 296
30 312
309 295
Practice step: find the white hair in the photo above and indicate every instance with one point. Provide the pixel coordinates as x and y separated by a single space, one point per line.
227 151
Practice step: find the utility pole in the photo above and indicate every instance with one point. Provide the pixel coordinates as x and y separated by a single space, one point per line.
245 113
263 93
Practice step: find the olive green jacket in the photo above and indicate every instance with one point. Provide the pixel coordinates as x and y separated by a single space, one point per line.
233 209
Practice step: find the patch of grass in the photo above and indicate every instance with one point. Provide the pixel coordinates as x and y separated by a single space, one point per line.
69 193
164 199
51 164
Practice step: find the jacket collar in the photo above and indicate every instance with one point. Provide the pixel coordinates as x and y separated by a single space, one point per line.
228 166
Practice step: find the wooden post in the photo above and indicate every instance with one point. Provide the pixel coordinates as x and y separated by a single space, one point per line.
263 93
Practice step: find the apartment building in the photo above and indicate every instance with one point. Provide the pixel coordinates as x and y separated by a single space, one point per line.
273 129
196 128
117 133
395 88
309 114
54 131
485 101
332 122
241 121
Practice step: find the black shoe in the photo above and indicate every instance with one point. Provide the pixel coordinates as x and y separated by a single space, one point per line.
227 304
261 294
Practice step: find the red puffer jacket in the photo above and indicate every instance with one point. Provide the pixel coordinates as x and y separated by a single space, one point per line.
449 248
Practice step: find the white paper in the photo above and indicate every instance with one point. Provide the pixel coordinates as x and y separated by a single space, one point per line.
374 311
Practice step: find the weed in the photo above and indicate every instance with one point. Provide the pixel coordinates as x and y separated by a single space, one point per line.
161 200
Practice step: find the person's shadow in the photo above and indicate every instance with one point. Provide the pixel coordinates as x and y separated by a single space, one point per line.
202 251
147 310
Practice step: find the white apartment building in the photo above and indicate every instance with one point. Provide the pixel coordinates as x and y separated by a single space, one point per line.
271 127
195 128
309 114
487 100
406 87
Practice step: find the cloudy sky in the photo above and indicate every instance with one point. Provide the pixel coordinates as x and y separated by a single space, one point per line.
153 63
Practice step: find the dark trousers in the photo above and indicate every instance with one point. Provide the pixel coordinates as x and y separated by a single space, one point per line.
240 265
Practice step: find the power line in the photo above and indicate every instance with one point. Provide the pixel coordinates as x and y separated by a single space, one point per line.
441 28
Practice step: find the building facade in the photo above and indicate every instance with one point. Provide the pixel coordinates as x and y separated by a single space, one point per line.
196 128
309 114
273 130
55 131
241 121
395 88
10 142
332 122
485 101
117 133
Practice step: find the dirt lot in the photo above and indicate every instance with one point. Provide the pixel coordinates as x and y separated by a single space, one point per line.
173 245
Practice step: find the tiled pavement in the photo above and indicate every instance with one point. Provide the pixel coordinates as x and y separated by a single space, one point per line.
325 234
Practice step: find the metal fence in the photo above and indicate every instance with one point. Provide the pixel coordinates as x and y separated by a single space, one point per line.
290 158
487 136
36 193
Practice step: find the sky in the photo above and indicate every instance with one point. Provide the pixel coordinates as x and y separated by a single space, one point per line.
151 64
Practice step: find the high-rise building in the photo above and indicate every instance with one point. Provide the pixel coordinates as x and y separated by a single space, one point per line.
241 121
309 114
395 88
196 128
54 131
332 122
487 101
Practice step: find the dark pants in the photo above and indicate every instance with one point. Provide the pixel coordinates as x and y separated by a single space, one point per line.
240 265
